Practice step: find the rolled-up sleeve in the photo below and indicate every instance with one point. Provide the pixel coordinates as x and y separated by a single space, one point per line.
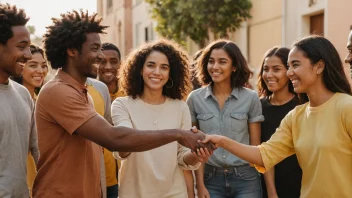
181 150
255 111
120 117
191 108
279 146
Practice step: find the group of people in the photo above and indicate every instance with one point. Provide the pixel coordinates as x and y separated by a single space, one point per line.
101 119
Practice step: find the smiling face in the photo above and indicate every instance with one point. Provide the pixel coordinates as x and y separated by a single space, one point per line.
220 66
155 71
109 67
274 74
90 56
348 58
302 73
15 54
35 71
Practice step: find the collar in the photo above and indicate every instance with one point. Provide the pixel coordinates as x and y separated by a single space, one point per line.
209 92
61 75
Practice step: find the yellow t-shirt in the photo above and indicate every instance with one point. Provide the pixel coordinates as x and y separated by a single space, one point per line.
321 137
109 161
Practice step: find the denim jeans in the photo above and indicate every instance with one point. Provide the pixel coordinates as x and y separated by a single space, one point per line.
112 191
235 182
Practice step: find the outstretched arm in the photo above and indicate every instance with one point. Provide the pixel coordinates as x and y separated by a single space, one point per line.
249 153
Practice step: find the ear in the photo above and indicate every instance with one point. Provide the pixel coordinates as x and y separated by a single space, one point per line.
320 66
72 52
234 68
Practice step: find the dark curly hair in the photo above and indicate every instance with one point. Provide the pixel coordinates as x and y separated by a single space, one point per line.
69 32
10 16
130 78
110 46
238 78
282 54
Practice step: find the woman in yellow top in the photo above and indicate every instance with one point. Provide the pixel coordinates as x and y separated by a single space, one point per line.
318 132
33 75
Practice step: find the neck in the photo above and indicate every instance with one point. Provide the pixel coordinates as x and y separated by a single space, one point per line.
69 69
281 97
319 95
222 89
153 97
112 86
30 88
4 77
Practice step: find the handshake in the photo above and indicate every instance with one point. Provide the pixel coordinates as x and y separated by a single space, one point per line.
197 141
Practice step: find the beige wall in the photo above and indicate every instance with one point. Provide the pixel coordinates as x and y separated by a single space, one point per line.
119 18
264 29
338 26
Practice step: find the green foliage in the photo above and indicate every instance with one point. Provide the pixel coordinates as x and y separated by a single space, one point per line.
178 19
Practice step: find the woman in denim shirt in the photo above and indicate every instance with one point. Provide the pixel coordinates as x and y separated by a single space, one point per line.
225 107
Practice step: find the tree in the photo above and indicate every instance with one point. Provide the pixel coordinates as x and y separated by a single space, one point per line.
179 19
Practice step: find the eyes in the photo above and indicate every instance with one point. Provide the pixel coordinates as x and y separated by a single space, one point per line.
162 67
266 69
221 62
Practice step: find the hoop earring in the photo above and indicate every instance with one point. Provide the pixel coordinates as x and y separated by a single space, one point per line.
172 83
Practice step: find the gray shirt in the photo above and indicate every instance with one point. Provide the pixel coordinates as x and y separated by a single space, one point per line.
17 127
242 107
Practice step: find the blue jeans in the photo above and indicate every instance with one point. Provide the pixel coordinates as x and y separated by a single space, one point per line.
235 182
112 191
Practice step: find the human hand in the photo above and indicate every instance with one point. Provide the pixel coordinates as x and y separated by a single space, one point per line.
202 191
202 154
209 145
191 140
216 139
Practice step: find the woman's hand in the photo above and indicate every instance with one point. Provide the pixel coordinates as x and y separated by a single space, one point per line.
202 191
202 154
216 139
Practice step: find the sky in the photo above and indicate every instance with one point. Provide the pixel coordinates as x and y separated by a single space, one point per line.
41 11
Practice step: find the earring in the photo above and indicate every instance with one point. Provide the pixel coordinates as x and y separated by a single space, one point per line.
172 83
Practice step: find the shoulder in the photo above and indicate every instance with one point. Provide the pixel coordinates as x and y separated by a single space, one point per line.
125 100
198 93
24 93
99 86
343 102
243 91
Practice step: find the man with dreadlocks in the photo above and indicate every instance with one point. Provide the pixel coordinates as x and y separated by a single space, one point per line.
17 125
69 129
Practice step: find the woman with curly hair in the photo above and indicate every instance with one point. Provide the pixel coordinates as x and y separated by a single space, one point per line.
155 79
224 106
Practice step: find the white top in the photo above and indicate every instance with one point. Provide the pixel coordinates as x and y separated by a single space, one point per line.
156 173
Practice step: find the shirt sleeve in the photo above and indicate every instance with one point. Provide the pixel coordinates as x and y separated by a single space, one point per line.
107 112
347 118
120 117
279 146
191 108
181 150
69 108
255 111
33 139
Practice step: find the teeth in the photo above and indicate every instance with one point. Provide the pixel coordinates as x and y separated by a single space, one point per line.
96 64
155 79
22 64
216 73
37 78
294 81
108 74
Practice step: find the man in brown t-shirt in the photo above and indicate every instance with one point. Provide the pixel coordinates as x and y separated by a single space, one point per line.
69 129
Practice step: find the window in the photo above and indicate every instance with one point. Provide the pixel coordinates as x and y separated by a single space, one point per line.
317 24
146 34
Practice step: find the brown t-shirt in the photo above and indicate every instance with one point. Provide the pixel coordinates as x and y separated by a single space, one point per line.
69 165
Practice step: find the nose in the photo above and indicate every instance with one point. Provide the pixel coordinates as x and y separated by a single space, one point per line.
27 54
348 59
101 55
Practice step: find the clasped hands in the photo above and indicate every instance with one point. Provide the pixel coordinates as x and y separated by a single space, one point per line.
199 144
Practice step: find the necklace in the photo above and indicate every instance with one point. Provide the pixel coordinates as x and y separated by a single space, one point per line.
154 110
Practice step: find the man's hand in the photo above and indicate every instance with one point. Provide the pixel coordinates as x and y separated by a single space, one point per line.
191 140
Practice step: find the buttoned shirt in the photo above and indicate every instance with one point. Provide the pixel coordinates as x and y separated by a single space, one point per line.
241 107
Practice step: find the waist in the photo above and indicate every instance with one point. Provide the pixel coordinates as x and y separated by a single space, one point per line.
231 169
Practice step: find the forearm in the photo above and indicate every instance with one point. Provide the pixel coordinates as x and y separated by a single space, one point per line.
190 159
269 178
200 175
124 154
130 140
246 152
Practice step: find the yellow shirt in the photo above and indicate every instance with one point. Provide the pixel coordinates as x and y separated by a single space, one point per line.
109 161
321 137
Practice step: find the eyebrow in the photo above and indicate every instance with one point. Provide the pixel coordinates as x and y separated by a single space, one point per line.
295 61
23 42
